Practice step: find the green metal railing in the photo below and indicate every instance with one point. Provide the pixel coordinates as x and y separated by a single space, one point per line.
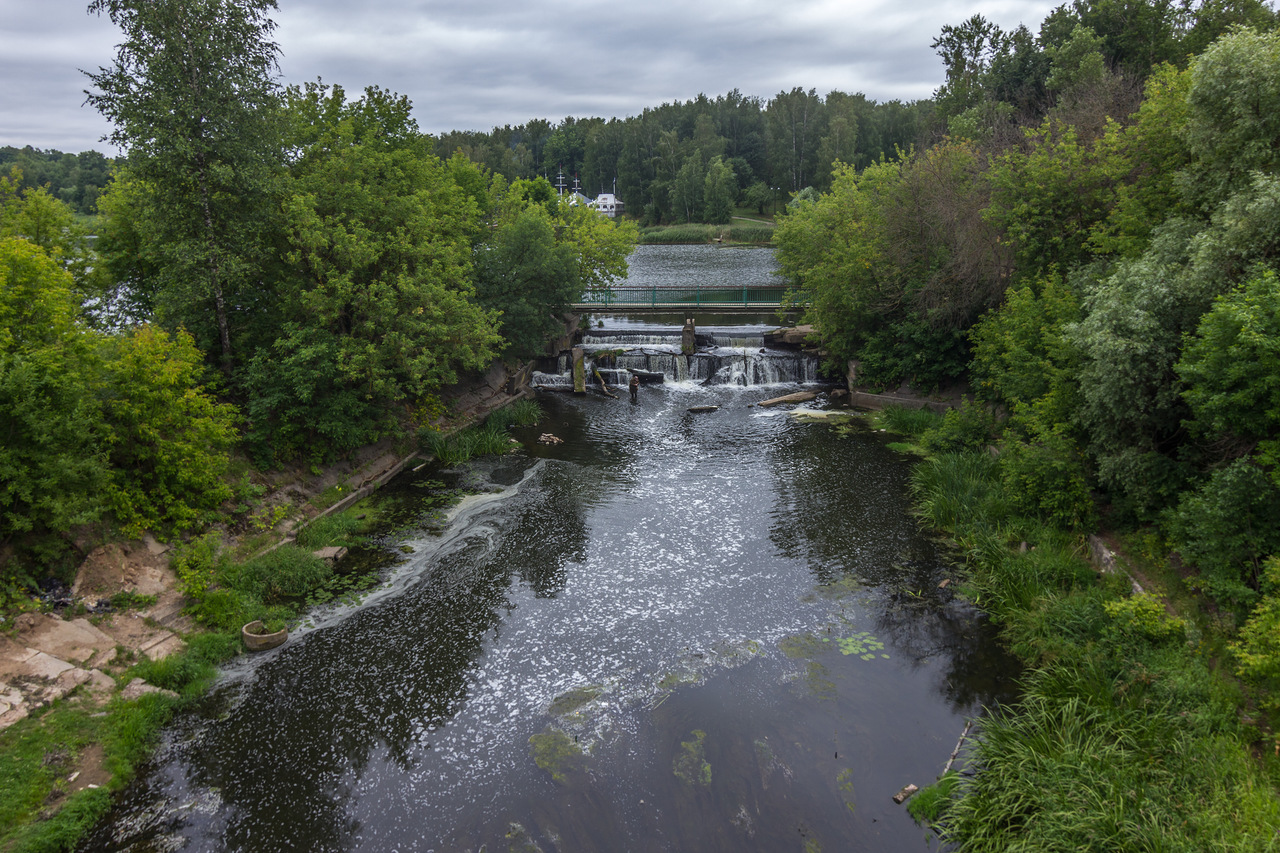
684 296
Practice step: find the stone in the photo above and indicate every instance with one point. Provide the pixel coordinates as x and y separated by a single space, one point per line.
138 688
332 554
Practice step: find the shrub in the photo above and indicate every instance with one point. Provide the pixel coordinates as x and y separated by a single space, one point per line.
198 564
1045 478
1226 528
1143 616
1257 652
973 426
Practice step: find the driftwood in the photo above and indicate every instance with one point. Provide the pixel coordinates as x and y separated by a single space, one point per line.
798 397
964 734
903 795
604 388
699 409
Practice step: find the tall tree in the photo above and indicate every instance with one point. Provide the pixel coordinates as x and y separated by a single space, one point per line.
192 97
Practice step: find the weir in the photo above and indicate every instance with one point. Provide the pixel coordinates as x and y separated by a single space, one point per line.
734 356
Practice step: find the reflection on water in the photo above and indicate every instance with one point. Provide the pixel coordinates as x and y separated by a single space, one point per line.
674 631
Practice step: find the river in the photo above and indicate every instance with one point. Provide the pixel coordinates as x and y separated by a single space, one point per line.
719 631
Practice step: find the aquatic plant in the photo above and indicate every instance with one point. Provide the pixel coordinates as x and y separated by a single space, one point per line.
555 752
690 764
861 644
572 700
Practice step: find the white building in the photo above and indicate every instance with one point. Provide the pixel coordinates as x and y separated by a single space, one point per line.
608 204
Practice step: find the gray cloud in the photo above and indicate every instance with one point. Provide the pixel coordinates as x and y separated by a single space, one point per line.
486 63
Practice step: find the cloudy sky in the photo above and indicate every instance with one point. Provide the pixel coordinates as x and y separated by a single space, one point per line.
475 64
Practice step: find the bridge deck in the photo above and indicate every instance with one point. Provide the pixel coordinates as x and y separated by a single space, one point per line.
666 297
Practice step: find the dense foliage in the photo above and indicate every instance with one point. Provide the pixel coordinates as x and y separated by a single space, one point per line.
1117 312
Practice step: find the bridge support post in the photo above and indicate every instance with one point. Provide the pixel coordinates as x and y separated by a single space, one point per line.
688 337
579 372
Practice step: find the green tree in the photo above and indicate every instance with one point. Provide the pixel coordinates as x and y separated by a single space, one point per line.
1233 126
51 466
193 100
1232 369
719 192
687 188
525 275
378 311
166 439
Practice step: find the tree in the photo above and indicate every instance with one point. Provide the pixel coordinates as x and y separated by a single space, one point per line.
795 131
377 310
192 98
719 192
1233 125
967 51
167 440
1232 369
526 276
52 468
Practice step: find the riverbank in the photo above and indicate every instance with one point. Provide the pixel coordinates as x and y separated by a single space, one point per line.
92 675
1131 733
744 234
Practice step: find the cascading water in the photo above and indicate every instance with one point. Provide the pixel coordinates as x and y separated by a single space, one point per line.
730 356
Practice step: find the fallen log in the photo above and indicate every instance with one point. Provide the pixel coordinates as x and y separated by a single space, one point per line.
699 409
798 397
604 388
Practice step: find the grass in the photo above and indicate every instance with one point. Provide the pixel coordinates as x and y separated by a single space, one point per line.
490 439
1125 738
340 528
908 421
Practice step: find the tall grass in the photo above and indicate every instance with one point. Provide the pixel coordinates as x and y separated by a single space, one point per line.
490 439
1124 739
671 234
909 421
522 412
751 234
958 491
1075 768
338 528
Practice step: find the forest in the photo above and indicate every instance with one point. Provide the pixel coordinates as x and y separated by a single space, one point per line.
1082 226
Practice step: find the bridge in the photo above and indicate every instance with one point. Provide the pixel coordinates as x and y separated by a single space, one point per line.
750 297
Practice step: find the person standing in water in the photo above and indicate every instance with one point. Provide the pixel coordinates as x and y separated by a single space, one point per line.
635 388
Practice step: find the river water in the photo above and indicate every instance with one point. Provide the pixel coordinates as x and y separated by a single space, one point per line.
673 631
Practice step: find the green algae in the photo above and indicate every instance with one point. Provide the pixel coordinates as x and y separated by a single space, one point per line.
690 764
572 700
804 646
818 678
839 589
672 680
556 753
844 782
519 840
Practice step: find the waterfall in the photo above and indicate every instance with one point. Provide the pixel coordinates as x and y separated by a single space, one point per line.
725 356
